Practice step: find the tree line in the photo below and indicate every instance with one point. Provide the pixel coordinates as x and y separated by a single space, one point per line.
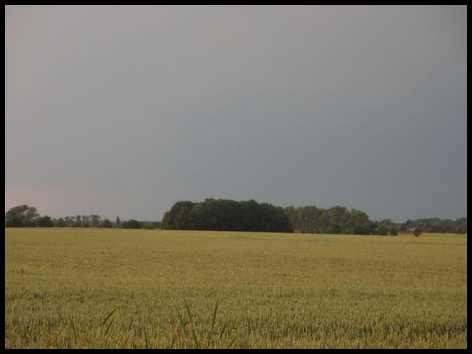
28 216
439 225
230 215
337 220
224 214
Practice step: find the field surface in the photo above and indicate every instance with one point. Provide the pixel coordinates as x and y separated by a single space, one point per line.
99 288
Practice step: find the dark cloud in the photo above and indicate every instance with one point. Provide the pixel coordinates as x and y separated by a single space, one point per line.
122 110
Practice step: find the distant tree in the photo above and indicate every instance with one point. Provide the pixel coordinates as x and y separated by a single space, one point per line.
44 221
378 228
95 220
336 220
387 227
31 216
179 216
131 224
224 214
460 225
305 219
60 222
78 221
166 222
21 216
85 221
106 223
118 222
70 221
437 225
382 229
360 222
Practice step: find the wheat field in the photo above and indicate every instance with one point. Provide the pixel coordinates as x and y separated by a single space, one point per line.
114 288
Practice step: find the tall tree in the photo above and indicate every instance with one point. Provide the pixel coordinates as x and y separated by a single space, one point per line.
106 223
95 220
44 221
21 215
224 214
60 222
78 221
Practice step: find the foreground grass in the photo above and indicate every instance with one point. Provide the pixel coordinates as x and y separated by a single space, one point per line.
97 288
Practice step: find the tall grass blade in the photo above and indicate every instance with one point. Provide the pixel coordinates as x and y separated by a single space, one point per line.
181 321
222 330
73 329
146 339
109 315
213 319
192 327
108 328
130 323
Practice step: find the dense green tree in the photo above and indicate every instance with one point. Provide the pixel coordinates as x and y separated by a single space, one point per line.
70 221
44 221
381 229
224 214
21 216
85 221
95 220
60 222
360 222
180 215
78 221
106 223
166 222
131 224
337 220
304 219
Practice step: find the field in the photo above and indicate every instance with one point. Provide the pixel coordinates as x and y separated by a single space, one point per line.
99 288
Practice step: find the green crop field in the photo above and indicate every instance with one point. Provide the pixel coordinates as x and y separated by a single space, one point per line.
99 288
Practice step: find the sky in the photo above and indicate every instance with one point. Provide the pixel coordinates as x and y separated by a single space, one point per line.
124 110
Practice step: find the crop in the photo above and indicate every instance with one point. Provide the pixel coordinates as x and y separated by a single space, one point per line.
117 288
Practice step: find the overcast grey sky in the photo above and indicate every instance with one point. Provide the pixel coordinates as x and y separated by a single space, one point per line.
123 110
